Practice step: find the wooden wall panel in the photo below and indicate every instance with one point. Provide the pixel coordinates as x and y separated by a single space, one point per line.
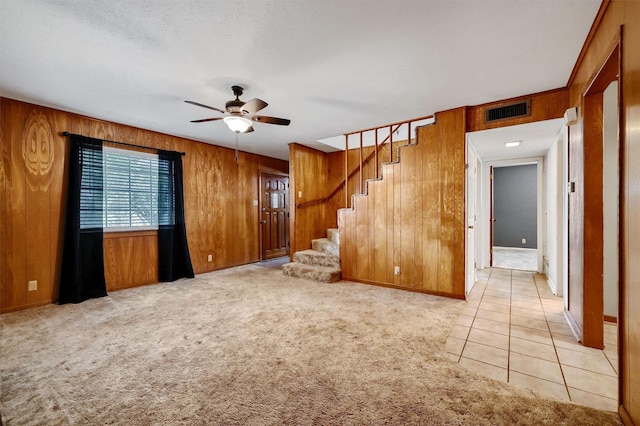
407 216
418 257
544 106
617 16
15 262
122 254
593 319
459 190
395 224
308 177
446 233
422 215
362 236
335 176
431 193
378 191
34 156
3 209
389 171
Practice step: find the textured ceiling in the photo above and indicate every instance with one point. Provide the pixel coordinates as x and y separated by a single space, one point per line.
331 66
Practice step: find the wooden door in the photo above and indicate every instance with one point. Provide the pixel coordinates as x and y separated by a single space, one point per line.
274 207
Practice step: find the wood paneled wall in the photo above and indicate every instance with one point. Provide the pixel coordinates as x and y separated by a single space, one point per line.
337 173
309 181
618 16
544 106
220 215
414 217
317 174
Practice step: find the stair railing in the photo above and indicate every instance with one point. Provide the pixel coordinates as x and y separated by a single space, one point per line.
393 128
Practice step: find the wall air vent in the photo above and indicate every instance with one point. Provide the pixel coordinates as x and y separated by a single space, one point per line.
519 109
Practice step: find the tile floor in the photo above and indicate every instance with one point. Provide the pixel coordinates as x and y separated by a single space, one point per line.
513 329
515 258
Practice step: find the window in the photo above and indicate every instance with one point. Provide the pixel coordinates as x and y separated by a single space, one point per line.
124 197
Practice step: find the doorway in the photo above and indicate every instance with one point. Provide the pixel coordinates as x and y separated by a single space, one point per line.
515 217
587 208
274 215
471 216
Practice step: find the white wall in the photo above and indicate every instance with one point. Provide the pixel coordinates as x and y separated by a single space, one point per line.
471 205
553 262
611 199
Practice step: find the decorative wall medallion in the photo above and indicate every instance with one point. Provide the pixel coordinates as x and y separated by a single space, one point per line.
37 151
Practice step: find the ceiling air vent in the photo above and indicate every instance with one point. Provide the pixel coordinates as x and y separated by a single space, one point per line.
520 109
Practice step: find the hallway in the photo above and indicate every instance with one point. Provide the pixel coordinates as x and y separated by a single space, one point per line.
514 330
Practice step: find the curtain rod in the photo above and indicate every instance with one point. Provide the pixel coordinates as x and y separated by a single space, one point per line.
65 133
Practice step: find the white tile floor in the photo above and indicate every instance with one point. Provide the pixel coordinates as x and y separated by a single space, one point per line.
515 258
514 330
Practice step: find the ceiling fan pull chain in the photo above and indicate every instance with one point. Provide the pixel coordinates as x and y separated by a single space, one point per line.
237 148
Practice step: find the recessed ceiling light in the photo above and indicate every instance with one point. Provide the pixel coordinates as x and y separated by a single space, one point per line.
512 144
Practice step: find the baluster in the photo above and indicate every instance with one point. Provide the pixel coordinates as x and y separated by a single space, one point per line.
376 153
390 144
346 171
361 159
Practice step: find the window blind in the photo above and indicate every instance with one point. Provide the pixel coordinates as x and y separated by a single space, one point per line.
125 195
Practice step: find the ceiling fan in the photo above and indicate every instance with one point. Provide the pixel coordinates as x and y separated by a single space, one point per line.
239 115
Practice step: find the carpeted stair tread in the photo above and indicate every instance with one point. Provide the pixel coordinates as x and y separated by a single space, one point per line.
333 235
314 257
325 274
324 245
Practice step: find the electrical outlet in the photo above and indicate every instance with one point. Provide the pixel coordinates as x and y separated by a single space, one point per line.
209 258
33 285
299 194
524 241
396 270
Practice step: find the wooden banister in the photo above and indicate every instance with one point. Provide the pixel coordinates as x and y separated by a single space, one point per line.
363 162
351 174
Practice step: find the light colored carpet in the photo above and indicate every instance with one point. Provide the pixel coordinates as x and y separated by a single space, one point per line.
248 345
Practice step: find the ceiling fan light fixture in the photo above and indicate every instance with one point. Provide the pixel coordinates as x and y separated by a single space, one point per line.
237 124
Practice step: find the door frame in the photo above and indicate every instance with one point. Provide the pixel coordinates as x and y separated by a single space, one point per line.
261 174
586 290
471 251
487 205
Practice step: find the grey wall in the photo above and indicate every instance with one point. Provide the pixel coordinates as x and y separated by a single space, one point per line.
515 206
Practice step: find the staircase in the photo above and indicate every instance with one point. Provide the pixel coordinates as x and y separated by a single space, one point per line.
321 263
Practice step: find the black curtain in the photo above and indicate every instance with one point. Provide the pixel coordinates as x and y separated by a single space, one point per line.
82 274
174 261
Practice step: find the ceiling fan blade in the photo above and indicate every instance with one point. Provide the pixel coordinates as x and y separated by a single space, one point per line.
249 130
206 119
204 106
253 106
271 120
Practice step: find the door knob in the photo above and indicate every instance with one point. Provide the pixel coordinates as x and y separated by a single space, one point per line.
263 221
